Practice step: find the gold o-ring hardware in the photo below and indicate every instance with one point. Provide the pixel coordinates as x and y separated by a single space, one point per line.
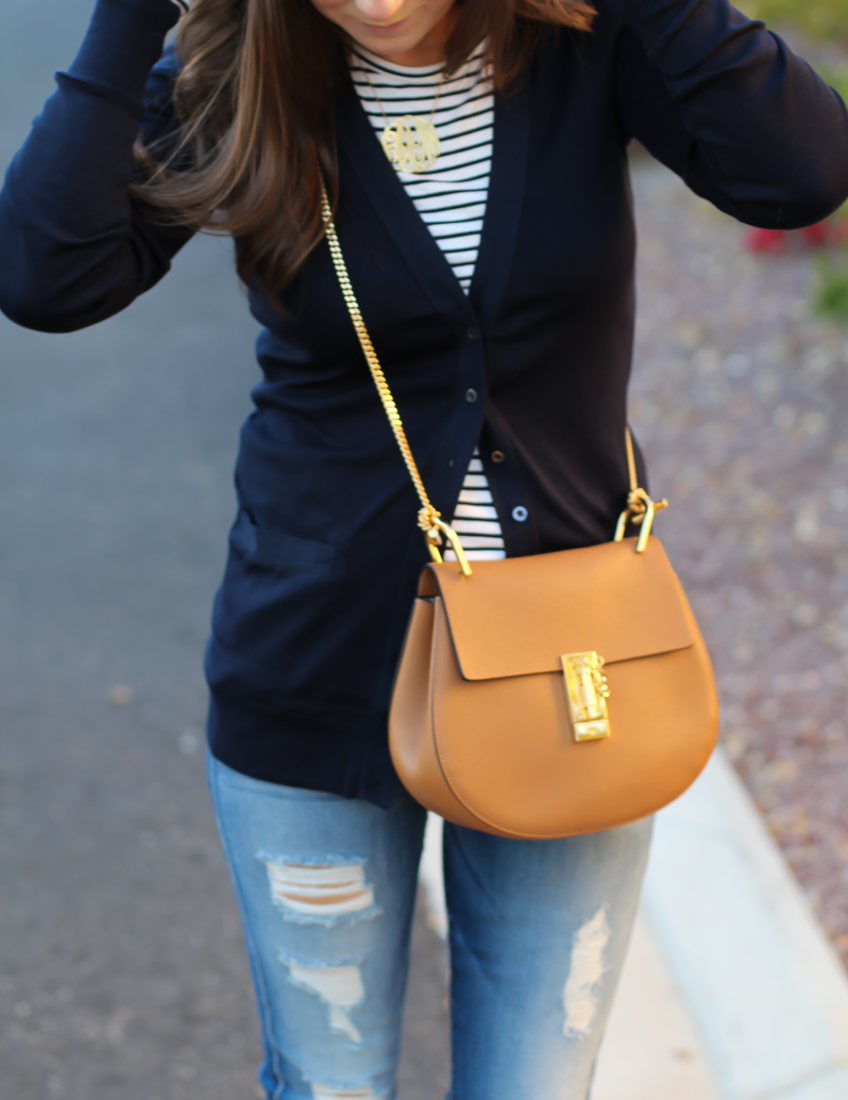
640 508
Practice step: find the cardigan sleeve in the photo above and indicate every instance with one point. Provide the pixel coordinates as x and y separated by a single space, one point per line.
75 248
725 104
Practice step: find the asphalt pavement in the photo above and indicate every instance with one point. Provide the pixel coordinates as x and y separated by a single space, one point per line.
122 972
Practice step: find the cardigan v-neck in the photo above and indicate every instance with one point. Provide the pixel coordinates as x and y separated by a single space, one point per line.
533 363
450 197
450 194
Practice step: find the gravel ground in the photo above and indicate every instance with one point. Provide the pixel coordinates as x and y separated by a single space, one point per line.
739 399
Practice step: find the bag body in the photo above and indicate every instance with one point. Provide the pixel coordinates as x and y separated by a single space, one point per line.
481 729
549 695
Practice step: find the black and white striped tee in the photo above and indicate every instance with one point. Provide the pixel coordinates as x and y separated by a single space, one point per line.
451 198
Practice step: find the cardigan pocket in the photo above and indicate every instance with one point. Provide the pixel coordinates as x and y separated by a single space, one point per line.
279 549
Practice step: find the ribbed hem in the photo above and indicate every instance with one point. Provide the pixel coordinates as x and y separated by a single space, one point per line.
344 753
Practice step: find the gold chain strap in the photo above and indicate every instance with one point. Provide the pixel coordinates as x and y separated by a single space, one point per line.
640 508
429 519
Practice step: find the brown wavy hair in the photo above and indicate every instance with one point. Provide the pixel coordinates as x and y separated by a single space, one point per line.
254 101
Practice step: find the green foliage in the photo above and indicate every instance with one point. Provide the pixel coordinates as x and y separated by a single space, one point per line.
821 18
836 78
830 297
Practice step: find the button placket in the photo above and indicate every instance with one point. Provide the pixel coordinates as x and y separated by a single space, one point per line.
507 487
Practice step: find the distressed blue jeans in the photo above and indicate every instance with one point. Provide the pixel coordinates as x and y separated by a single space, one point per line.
326 888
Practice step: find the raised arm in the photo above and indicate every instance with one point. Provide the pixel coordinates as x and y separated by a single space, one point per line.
75 249
727 105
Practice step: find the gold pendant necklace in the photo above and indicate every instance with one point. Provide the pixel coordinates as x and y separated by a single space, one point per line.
411 143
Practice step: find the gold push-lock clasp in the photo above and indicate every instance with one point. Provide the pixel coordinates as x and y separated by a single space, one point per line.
586 691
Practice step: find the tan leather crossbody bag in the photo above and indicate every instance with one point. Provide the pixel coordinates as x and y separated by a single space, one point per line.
551 695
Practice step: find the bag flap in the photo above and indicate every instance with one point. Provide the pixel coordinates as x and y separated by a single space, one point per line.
518 617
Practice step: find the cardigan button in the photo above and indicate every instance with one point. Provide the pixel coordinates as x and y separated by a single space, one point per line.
498 457
473 334
520 514
470 396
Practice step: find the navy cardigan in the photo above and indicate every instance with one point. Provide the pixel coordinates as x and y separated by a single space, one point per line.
325 553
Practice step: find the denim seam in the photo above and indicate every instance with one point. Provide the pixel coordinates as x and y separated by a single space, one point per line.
262 999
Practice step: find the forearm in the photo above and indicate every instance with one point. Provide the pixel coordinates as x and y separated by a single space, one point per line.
74 251
767 138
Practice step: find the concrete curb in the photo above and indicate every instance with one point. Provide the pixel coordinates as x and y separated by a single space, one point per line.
767 992
651 1049
762 984
431 875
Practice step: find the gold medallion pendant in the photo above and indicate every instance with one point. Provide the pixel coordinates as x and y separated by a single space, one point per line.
411 143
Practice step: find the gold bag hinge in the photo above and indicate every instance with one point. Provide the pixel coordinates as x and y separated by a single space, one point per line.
586 691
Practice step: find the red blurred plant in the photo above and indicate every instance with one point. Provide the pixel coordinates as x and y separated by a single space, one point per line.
826 234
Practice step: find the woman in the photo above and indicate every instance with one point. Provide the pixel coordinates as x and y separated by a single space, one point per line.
494 269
